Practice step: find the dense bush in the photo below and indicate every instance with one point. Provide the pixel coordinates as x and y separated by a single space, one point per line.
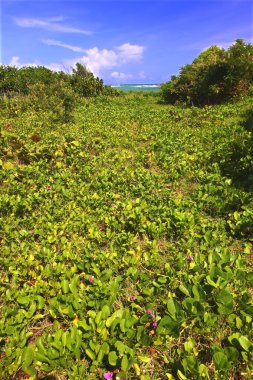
40 89
84 82
216 75
81 81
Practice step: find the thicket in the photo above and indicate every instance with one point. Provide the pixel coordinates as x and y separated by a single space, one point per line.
215 76
42 89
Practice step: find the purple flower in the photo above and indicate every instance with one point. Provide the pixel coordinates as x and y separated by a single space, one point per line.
150 312
154 324
49 187
108 375
91 279
190 257
132 298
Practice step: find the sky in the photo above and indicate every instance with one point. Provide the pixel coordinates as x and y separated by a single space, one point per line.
134 41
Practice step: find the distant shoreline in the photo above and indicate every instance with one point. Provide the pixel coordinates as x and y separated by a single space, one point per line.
137 87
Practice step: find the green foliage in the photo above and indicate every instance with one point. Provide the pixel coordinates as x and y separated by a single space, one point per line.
215 76
81 81
84 82
126 239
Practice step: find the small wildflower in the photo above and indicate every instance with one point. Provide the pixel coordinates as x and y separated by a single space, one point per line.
150 312
114 205
91 279
93 258
154 324
190 257
132 298
49 187
108 375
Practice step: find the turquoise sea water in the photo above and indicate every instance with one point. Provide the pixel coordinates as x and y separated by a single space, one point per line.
137 87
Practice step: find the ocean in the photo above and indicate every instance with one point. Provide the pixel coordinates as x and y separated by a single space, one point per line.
137 87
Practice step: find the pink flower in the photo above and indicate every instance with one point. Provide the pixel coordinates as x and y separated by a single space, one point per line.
108 375
190 257
91 279
132 298
154 324
150 312
49 187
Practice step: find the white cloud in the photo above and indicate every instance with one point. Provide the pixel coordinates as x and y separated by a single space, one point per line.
76 49
121 76
132 52
48 24
94 59
15 61
97 59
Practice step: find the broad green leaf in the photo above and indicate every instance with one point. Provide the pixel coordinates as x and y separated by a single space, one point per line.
65 286
42 358
90 353
220 361
245 343
27 356
112 358
184 290
181 376
105 312
25 300
124 363
144 359
224 297
171 308
121 347
189 344
116 314
31 310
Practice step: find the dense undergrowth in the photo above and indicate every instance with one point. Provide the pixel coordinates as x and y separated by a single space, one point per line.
126 240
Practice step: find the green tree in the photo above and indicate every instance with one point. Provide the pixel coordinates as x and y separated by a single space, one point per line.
84 82
216 75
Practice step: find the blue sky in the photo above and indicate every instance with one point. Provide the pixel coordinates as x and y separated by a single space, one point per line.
134 41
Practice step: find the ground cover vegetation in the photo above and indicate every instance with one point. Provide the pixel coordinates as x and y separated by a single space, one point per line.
126 230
